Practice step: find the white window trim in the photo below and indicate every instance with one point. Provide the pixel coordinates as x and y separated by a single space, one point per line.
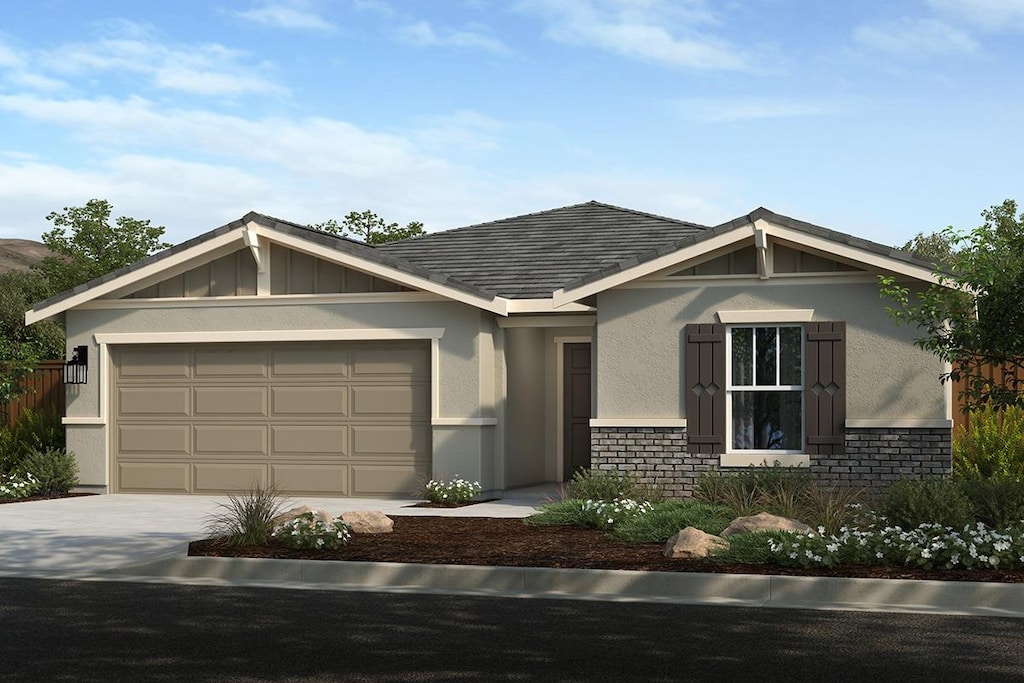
777 317
757 456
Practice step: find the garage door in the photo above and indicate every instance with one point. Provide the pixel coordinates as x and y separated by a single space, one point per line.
347 418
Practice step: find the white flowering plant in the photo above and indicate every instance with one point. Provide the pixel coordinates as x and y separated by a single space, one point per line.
309 532
929 546
14 488
457 491
605 514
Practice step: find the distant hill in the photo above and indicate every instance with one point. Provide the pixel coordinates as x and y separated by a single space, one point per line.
20 254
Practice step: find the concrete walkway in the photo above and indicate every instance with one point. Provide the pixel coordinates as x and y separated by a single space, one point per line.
144 538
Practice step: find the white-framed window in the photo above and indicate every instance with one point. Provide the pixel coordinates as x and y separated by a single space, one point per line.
764 389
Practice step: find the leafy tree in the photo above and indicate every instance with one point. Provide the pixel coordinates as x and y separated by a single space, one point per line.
974 319
22 346
935 247
370 228
88 246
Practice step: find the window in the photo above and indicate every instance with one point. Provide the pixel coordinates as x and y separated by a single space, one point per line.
765 388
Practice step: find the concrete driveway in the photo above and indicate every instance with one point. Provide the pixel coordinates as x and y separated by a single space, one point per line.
77 537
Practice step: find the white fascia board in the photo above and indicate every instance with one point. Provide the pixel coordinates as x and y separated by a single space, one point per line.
370 334
548 321
257 300
251 238
136 276
737 234
496 305
850 253
546 306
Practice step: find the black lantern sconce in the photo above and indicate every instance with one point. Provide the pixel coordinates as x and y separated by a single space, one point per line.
76 370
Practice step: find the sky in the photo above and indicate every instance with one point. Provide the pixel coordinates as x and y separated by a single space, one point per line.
877 118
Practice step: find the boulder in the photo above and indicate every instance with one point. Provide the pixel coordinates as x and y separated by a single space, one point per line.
763 521
295 512
692 542
368 522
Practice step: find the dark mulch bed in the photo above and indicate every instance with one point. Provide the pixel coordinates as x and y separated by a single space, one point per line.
428 504
60 495
511 543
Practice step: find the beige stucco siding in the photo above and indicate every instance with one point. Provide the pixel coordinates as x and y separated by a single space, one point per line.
639 349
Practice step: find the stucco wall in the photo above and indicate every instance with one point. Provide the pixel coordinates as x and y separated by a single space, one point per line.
640 347
526 408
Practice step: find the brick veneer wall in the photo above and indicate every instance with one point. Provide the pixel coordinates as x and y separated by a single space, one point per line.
874 457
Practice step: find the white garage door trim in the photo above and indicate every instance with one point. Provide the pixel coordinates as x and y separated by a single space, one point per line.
105 339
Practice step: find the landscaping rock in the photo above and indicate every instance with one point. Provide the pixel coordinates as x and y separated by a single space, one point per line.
691 542
295 512
763 521
368 522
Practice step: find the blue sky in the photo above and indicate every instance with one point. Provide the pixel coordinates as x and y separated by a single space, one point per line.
877 118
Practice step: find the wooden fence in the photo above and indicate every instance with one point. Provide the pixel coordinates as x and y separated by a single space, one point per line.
992 372
46 392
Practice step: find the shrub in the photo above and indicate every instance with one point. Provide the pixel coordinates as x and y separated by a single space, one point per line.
55 469
667 518
36 430
309 532
996 501
908 503
456 491
993 444
598 514
13 488
588 484
247 518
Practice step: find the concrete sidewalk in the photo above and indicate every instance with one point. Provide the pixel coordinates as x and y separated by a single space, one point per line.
145 538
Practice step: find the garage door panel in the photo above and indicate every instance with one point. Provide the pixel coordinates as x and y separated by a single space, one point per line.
300 440
143 439
385 480
222 440
234 401
156 363
218 477
150 401
394 361
154 477
381 401
311 400
311 479
238 361
398 439
320 362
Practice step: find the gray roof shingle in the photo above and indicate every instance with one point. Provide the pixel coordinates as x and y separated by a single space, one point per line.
533 255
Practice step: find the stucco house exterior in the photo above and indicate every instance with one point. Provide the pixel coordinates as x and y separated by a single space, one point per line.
509 352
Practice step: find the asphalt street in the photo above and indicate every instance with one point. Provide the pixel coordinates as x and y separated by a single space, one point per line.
118 631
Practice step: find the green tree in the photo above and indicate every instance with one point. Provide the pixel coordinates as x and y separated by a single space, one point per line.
935 247
974 317
87 245
370 228
22 346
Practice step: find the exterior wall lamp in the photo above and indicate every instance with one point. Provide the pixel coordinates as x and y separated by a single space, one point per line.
76 370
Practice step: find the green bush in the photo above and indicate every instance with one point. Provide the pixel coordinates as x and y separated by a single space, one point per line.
587 484
247 518
668 517
597 514
909 503
308 532
36 430
992 446
54 468
998 502
457 491
778 490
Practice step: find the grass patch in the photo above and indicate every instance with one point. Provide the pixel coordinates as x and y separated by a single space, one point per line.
667 518
752 548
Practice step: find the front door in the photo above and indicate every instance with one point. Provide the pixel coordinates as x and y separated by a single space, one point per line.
576 409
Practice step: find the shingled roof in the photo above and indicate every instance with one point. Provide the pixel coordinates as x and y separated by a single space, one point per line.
533 255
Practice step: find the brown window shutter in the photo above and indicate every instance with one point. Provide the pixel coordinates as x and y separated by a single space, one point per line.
705 388
825 387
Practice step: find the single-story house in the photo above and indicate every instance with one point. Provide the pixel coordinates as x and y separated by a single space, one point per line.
511 352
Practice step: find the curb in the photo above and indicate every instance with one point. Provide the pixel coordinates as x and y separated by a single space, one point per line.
748 590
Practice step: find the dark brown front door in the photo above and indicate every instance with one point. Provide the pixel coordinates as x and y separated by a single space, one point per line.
576 410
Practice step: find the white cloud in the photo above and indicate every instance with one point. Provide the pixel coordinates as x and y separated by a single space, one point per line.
669 33
991 15
916 38
421 33
287 15
731 110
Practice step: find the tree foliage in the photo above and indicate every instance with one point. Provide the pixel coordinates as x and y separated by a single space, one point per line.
370 228
87 245
23 346
935 247
974 317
